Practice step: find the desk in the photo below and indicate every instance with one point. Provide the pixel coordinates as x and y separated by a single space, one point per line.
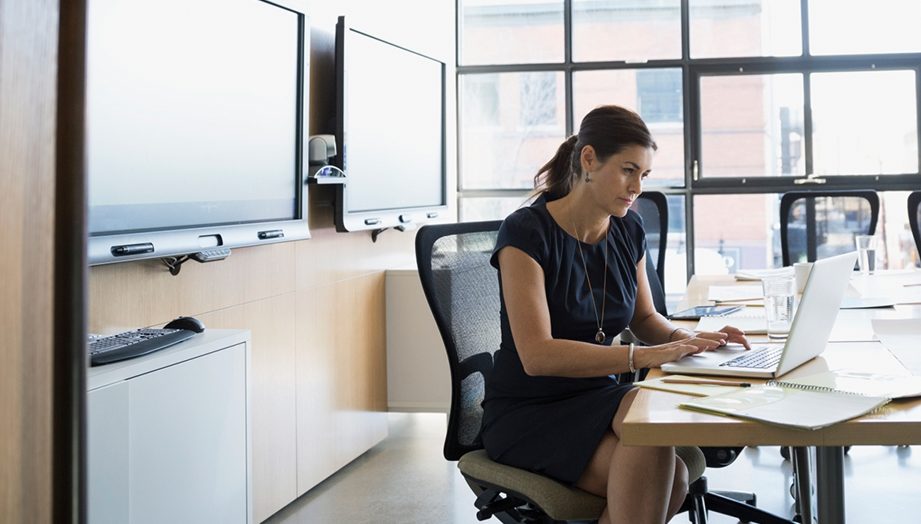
654 418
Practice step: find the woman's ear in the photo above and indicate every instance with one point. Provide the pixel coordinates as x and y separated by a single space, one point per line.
588 159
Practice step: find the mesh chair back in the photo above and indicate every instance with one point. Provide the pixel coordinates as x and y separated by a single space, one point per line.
462 290
653 207
820 224
914 219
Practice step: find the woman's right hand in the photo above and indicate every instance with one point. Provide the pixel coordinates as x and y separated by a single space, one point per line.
655 356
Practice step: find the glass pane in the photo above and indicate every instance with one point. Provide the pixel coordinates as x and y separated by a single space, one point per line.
510 125
752 125
736 232
859 27
722 28
473 209
657 95
631 30
864 122
510 32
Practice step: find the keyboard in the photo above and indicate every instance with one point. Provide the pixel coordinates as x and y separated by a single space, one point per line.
131 344
764 358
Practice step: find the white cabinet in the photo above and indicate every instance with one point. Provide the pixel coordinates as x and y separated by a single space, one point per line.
168 434
418 377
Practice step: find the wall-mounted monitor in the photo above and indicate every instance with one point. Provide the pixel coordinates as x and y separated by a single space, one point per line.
196 122
390 127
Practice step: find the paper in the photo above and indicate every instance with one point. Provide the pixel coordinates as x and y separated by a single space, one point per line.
789 407
698 390
758 274
735 293
862 383
901 337
866 302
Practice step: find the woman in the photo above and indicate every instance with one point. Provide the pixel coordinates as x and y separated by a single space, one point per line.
572 274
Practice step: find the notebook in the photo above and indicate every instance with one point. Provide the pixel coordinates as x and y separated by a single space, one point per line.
860 382
805 408
809 332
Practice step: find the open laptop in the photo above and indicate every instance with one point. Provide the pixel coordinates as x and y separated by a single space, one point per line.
809 332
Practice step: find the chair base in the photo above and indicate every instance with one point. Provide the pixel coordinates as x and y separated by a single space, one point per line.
734 504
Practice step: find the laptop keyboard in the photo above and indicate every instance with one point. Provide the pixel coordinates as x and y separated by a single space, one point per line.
760 358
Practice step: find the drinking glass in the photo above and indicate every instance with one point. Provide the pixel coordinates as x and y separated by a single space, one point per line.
866 251
779 294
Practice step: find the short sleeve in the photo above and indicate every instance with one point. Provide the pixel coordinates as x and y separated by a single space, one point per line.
523 230
636 234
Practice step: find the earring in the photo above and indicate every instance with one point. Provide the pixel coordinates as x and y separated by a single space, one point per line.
588 177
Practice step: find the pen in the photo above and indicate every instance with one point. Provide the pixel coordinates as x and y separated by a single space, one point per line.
912 285
706 382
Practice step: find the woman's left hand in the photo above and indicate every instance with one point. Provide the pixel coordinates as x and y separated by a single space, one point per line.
726 335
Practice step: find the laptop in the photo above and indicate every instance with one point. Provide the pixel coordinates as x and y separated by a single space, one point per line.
809 332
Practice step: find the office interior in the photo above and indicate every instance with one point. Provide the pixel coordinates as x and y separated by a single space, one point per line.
320 312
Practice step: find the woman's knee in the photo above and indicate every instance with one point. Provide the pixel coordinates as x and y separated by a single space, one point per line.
682 478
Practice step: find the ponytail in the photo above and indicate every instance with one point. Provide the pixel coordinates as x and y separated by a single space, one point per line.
555 177
608 129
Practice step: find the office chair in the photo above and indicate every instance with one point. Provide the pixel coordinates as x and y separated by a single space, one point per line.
819 224
914 218
462 290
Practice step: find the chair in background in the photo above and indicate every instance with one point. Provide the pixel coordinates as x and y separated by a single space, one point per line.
820 224
914 218
462 290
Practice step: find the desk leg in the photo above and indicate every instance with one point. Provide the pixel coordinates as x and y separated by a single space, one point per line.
802 474
830 484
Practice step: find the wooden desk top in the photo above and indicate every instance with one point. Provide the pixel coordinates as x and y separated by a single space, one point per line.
655 419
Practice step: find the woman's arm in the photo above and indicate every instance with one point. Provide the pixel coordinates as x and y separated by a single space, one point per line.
541 354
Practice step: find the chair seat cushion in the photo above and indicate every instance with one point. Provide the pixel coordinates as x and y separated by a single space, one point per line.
557 500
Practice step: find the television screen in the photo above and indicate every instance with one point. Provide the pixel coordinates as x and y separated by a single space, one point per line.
391 133
195 125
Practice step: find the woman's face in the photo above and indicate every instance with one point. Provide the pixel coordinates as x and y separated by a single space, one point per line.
616 182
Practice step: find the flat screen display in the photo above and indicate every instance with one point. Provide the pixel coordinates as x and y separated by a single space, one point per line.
392 130
194 114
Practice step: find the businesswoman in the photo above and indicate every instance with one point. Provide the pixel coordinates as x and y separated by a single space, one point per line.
572 274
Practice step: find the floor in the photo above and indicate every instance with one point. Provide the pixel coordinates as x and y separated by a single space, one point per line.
405 479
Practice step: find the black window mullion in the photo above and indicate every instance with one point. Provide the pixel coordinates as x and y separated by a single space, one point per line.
567 60
691 115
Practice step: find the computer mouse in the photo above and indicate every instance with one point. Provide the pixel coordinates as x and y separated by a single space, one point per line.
189 323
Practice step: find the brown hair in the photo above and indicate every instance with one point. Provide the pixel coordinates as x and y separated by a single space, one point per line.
608 129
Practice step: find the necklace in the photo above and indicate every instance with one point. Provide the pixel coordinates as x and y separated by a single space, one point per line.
599 336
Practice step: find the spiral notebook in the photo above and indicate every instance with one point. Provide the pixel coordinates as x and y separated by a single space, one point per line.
861 383
789 405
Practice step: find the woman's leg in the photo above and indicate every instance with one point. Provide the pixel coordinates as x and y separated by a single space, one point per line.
641 484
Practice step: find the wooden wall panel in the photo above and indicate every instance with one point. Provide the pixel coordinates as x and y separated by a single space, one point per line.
341 375
272 396
28 54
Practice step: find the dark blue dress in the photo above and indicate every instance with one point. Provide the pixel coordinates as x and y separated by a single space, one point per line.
553 425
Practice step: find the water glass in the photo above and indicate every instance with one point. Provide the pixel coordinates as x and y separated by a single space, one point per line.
866 251
779 296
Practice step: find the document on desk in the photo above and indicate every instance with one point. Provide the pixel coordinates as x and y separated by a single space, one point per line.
741 293
689 388
901 336
751 325
803 408
760 274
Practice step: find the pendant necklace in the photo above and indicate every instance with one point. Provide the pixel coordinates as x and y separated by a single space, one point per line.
599 336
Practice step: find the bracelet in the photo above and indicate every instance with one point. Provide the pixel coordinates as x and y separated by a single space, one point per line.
630 350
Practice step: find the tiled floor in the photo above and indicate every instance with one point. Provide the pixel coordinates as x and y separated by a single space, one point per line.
405 479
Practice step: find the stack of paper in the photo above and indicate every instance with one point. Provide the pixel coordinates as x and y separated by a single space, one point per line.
743 293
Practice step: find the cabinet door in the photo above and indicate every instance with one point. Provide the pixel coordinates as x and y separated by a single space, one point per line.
171 445
188 460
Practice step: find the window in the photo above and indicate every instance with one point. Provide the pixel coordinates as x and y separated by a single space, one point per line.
658 95
744 106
